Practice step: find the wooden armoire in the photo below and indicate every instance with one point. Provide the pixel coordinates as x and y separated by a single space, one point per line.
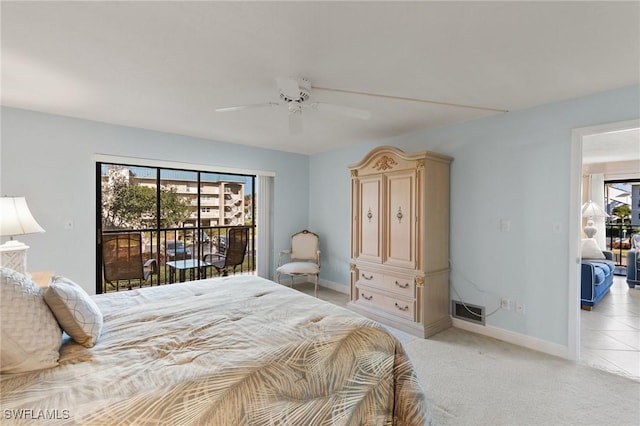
400 239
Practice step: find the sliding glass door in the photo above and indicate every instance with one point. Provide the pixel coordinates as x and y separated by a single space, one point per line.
156 225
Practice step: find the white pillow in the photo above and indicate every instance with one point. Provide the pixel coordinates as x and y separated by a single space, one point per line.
31 336
76 312
590 249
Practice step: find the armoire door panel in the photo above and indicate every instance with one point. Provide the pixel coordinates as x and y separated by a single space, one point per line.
370 219
400 219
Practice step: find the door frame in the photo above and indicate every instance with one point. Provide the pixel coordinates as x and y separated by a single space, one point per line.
575 222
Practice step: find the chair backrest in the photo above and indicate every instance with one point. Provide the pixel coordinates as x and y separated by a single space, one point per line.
122 256
305 245
237 239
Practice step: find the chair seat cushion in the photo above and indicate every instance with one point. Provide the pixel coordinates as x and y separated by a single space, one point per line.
302 268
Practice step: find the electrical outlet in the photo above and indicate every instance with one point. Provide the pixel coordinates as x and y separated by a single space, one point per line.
505 304
520 308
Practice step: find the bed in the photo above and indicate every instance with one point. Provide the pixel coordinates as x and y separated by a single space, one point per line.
236 350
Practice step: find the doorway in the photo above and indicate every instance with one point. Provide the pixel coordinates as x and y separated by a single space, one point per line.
594 151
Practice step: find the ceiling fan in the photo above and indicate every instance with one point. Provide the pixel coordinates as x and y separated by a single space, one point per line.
294 94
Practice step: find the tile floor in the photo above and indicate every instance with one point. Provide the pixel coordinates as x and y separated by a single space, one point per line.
610 333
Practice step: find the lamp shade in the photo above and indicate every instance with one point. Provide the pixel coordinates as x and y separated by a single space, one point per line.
15 217
592 209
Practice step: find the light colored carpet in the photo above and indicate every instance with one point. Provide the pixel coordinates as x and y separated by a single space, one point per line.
475 380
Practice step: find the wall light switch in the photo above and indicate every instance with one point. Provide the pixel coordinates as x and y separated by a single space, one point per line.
505 225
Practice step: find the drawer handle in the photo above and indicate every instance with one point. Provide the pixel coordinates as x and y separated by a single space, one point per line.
364 296
367 278
405 285
406 308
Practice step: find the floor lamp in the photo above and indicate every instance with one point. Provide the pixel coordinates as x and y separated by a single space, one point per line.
15 219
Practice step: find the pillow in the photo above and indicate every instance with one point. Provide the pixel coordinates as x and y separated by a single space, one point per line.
76 312
590 249
30 335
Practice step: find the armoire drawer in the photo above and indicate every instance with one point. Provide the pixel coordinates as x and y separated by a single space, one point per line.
396 306
402 286
371 279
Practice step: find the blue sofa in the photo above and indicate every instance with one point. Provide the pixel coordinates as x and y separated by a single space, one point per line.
597 279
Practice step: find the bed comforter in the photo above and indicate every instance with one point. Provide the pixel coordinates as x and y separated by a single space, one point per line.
224 351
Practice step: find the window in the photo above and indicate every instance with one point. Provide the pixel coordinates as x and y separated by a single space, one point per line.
178 213
622 199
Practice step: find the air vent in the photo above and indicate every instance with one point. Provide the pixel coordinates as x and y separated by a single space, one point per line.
467 312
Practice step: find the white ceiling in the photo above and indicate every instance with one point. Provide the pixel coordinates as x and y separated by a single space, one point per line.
611 147
167 65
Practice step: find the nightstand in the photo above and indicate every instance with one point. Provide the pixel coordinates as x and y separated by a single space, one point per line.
41 278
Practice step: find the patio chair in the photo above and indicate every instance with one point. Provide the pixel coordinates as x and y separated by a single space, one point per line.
122 259
234 253
304 257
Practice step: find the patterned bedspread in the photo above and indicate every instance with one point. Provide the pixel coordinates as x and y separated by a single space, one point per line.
226 351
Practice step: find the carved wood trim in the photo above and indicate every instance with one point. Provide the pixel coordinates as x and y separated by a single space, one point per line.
385 163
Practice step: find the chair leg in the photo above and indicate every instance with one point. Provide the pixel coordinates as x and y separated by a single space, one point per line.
291 285
315 292
278 277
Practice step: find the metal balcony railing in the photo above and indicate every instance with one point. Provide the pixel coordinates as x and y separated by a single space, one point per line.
619 242
178 244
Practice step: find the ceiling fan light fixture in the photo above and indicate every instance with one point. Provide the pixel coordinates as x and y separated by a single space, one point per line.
294 90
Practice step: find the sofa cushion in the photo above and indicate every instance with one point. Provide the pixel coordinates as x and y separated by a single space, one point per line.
601 270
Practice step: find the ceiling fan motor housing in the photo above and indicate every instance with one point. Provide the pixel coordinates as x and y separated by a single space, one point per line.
304 88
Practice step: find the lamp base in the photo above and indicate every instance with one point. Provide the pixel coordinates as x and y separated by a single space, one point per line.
13 255
590 230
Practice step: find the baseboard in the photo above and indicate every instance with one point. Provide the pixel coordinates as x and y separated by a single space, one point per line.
515 338
340 288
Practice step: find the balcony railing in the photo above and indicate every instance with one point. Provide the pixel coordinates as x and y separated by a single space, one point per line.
619 242
174 244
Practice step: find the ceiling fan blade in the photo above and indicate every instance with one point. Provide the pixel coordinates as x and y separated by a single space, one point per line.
295 122
251 106
344 110
289 87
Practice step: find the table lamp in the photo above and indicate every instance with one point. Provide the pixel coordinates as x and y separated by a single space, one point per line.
15 219
592 210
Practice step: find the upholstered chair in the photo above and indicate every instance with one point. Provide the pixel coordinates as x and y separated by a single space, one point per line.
304 258
633 262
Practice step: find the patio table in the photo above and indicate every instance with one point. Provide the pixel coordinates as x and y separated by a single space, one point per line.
187 265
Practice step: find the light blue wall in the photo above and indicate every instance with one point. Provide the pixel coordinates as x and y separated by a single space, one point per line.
49 159
514 166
